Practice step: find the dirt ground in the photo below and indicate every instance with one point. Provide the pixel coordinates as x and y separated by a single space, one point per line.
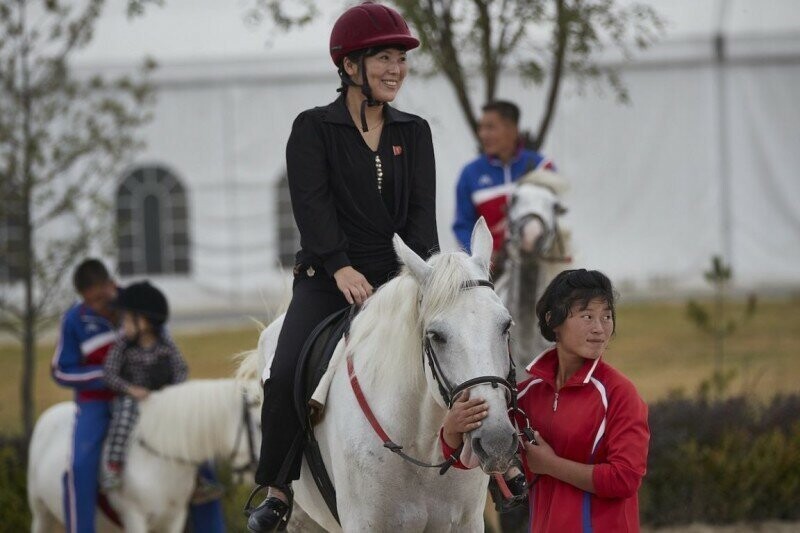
301 523
762 527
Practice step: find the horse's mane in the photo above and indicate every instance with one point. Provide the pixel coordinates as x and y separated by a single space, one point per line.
250 363
393 317
545 178
184 420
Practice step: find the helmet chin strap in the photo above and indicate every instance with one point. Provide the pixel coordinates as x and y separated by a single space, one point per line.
366 90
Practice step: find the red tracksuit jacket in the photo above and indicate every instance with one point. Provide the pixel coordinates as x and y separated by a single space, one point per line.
596 418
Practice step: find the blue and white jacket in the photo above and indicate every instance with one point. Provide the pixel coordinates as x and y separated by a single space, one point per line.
85 340
483 190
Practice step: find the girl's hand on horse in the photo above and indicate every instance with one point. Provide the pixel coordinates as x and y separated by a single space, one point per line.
463 417
540 456
353 285
140 393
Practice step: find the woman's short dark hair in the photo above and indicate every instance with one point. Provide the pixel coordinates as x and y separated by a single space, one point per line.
89 273
357 55
568 288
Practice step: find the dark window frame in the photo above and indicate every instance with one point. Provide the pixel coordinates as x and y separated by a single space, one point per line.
138 253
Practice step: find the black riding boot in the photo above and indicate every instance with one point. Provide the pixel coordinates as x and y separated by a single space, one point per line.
272 515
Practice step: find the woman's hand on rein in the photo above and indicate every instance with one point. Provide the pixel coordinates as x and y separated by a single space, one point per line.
353 285
465 416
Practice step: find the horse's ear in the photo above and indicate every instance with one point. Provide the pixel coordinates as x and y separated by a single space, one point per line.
417 265
481 245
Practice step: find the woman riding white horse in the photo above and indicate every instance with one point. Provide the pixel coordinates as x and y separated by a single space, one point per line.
359 171
420 341
179 428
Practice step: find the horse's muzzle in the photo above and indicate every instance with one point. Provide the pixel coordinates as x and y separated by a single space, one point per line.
495 452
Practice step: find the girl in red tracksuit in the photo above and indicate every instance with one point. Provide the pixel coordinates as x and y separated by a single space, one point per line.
590 424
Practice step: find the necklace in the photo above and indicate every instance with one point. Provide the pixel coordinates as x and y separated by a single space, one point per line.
379 172
373 129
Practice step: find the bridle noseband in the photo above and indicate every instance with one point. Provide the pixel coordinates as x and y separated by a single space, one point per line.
451 393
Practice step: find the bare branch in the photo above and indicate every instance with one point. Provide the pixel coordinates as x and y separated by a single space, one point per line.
561 36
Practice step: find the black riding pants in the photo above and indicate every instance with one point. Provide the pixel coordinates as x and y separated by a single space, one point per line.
313 299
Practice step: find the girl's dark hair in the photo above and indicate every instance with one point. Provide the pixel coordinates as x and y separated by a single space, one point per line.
568 288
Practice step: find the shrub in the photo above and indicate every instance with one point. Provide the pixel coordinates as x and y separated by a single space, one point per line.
722 461
14 514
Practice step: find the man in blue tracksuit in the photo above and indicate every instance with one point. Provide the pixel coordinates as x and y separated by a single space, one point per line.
486 183
88 330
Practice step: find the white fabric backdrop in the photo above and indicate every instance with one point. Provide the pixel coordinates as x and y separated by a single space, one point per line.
647 204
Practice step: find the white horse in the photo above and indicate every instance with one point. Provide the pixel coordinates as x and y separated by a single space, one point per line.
179 428
537 249
442 305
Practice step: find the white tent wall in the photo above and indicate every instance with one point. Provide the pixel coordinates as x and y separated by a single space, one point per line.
702 162
765 181
225 141
644 202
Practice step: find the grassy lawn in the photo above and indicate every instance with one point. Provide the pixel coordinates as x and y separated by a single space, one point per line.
661 350
209 356
655 345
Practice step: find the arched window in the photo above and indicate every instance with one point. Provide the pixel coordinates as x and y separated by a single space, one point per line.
288 235
153 223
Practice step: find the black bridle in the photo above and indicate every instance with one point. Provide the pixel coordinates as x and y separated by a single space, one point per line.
245 428
451 393
446 389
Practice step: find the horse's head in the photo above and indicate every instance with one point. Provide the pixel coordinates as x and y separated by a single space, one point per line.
465 331
532 209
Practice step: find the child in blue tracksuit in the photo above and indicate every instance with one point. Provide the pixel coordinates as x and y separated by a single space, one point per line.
88 331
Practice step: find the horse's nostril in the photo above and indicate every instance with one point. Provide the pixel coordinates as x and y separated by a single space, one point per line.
514 444
478 448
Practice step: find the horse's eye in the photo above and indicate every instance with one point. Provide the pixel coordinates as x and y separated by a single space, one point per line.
507 328
437 337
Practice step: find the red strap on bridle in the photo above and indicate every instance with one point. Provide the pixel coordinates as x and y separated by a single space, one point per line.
443 467
362 402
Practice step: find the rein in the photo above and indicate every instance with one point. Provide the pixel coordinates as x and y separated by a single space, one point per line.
244 428
448 392
443 467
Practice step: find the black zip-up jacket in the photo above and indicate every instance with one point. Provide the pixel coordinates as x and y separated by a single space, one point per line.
333 181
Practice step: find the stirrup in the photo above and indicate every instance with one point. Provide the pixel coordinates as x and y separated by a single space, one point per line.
273 507
248 509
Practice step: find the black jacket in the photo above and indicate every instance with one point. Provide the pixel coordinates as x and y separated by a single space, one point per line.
342 218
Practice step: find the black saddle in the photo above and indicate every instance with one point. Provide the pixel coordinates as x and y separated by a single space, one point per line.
311 366
315 357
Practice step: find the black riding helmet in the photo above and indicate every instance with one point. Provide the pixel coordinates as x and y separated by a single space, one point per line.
146 300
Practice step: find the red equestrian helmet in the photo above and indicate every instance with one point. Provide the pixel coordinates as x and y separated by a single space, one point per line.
367 25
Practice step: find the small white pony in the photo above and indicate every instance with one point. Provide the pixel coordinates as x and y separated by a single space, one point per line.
537 251
179 427
467 328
